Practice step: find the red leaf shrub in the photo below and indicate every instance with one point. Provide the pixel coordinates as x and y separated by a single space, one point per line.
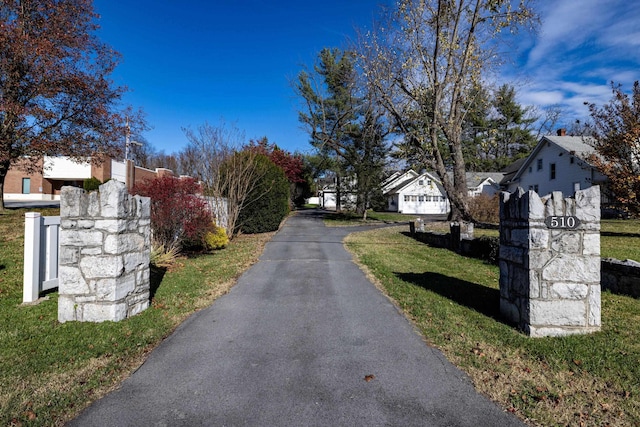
179 216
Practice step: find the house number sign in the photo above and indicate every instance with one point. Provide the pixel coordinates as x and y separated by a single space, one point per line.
562 222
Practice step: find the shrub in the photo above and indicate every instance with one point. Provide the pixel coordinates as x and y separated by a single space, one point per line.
485 208
268 201
179 216
91 184
216 238
486 248
162 256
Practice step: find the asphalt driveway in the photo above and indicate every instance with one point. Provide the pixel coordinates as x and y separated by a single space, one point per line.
303 339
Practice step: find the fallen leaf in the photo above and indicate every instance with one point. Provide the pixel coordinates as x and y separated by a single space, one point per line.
577 362
368 378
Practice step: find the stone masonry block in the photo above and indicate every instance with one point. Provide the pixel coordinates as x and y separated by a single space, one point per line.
559 270
123 243
115 289
557 200
558 313
93 205
80 237
96 267
113 200
567 242
111 225
143 206
134 260
575 291
512 254
588 204
71 281
591 244
85 223
70 202
538 238
67 308
97 312
595 305
68 255
536 207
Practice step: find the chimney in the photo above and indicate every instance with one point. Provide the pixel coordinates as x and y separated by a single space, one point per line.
562 132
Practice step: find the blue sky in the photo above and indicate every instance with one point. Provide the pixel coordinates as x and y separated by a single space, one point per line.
234 60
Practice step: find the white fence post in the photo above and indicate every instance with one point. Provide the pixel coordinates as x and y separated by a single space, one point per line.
31 288
49 277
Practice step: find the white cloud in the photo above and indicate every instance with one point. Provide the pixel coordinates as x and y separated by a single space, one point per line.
582 46
541 97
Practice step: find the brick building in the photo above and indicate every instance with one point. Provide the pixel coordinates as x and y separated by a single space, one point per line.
52 173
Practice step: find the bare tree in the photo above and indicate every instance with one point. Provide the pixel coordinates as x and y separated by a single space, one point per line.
216 156
426 62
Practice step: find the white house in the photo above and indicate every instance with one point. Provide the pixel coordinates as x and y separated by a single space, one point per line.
486 183
422 195
327 193
557 163
396 178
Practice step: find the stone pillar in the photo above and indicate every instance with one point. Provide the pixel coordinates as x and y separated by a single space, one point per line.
105 246
549 265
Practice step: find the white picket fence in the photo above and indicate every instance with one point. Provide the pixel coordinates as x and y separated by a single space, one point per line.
41 249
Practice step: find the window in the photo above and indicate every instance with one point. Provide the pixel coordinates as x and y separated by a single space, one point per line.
407 198
421 182
421 198
535 188
571 159
428 182
552 171
414 198
530 169
26 185
576 186
539 164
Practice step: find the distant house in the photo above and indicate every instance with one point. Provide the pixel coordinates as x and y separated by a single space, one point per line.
557 163
411 193
419 194
485 183
328 193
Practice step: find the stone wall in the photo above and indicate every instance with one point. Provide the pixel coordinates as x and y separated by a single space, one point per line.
105 246
621 277
550 278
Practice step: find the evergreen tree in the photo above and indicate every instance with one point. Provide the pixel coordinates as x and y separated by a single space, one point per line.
344 123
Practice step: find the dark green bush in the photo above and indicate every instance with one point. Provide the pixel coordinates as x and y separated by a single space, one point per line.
268 202
91 184
486 248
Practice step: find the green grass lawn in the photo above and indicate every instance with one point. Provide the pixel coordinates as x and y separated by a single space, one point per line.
337 219
590 380
51 371
620 238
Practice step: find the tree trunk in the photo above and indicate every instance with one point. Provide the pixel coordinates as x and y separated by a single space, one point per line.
4 169
338 194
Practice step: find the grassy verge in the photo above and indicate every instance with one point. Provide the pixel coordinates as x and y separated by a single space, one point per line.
591 380
51 371
337 219
620 238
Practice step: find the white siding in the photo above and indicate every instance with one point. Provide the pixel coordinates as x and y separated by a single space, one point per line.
569 174
119 171
65 168
428 198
